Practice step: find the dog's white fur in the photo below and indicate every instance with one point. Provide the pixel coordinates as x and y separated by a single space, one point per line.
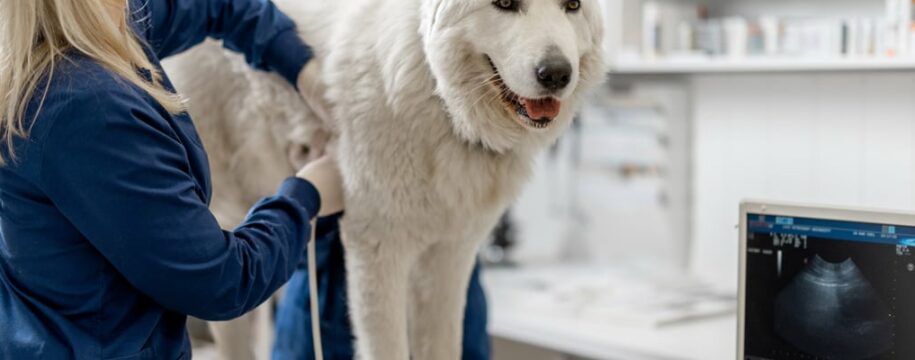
257 132
430 155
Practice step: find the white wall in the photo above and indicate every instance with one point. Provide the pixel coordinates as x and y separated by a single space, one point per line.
830 138
590 212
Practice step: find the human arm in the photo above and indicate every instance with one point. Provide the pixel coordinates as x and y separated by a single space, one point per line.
255 28
114 168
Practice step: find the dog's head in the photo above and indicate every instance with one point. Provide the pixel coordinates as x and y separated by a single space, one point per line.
513 72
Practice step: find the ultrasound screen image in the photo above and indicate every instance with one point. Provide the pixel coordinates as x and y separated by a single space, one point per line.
821 289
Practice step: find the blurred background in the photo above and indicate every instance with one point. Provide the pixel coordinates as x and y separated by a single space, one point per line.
624 245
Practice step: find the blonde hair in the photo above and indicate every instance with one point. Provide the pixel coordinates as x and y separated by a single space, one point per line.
36 34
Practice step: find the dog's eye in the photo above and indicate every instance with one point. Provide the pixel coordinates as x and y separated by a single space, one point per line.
507 5
573 5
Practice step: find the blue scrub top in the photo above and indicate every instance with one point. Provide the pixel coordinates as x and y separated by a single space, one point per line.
106 241
293 317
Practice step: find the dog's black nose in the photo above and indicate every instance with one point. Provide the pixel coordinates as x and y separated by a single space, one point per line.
554 73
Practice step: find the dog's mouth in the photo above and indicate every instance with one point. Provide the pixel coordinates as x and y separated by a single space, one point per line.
533 113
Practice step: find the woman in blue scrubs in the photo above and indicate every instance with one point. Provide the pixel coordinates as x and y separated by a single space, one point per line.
107 242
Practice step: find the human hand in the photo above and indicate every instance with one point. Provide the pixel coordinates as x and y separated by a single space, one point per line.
324 174
312 89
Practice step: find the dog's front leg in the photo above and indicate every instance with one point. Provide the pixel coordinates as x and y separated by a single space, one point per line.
439 295
377 268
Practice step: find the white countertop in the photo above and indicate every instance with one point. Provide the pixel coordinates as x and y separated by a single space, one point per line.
530 319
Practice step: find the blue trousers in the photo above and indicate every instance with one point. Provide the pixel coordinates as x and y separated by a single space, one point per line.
293 319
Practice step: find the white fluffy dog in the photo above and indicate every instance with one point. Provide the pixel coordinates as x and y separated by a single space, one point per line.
440 107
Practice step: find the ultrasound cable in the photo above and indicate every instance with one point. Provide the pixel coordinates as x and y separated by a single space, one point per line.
313 295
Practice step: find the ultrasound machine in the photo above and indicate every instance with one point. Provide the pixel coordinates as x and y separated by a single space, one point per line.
825 283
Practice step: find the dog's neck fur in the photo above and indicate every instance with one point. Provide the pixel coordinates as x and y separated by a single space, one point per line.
457 174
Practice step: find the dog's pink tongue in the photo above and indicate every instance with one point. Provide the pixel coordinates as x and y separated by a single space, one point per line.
542 108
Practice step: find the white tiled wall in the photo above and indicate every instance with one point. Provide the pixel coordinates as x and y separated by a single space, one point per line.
826 138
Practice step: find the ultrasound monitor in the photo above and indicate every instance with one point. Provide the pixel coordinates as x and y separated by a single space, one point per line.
826 283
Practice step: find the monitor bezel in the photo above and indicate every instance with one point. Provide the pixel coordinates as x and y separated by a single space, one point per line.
853 214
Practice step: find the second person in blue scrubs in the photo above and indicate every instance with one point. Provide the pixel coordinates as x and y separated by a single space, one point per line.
293 323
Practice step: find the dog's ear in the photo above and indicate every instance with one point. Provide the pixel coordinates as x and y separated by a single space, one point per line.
593 63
